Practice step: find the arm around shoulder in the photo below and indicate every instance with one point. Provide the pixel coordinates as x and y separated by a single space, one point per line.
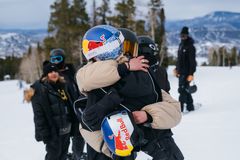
96 75
165 114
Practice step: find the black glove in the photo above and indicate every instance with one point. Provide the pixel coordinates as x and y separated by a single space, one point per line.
93 115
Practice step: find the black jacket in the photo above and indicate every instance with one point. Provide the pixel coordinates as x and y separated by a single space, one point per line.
52 112
68 72
161 76
186 62
134 91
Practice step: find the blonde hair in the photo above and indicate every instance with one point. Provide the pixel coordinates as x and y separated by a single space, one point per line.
60 79
28 94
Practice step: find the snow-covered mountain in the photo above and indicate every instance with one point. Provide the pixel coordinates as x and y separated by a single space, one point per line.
219 28
17 42
215 29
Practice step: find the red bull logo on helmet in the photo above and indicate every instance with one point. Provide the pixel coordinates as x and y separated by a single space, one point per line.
123 128
118 138
102 42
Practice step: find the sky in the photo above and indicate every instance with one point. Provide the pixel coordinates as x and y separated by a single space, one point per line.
209 133
33 14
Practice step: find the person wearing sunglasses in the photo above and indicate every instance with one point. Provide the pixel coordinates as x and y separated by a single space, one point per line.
57 57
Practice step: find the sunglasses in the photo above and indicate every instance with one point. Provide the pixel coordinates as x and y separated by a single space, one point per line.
56 59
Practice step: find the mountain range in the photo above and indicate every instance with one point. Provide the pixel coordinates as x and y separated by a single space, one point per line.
220 28
15 42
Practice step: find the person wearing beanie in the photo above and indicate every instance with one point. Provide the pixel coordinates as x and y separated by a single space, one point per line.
48 68
53 112
67 70
185 68
184 31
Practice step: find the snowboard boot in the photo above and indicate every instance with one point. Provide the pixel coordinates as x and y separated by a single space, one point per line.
190 107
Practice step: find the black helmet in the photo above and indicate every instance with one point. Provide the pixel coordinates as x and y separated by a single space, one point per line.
147 46
130 44
148 49
57 55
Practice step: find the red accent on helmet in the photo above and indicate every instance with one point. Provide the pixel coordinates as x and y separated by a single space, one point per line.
93 45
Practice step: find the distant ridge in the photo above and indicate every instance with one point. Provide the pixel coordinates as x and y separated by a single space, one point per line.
220 28
15 42
214 29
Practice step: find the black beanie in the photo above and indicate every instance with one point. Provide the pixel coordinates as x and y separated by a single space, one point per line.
185 30
49 68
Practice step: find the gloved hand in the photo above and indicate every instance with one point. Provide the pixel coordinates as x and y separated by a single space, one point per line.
93 115
189 78
175 72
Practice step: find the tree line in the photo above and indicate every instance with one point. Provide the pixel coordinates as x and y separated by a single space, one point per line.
68 22
221 56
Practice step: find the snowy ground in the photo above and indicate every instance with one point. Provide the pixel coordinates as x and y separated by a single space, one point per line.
210 133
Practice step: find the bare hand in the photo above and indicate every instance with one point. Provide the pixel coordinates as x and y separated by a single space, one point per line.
139 116
138 64
189 78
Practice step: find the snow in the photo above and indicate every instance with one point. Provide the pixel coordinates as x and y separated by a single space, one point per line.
8 35
210 133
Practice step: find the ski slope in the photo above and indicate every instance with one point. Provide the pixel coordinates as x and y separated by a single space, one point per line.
210 133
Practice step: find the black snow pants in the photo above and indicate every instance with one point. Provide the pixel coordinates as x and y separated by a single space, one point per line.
163 149
185 97
57 148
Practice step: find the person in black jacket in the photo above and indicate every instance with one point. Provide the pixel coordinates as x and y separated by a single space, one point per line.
134 90
149 50
185 68
57 56
52 113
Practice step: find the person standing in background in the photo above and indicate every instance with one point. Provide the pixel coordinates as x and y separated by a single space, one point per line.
185 68
57 56
52 113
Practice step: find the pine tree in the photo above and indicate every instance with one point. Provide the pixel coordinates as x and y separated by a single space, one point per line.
161 40
140 27
157 21
214 58
58 26
103 11
233 56
125 15
9 66
94 12
154 6
79 24
66 26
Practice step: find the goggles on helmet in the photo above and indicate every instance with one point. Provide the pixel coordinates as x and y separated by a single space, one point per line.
130 44
56 59
130 48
